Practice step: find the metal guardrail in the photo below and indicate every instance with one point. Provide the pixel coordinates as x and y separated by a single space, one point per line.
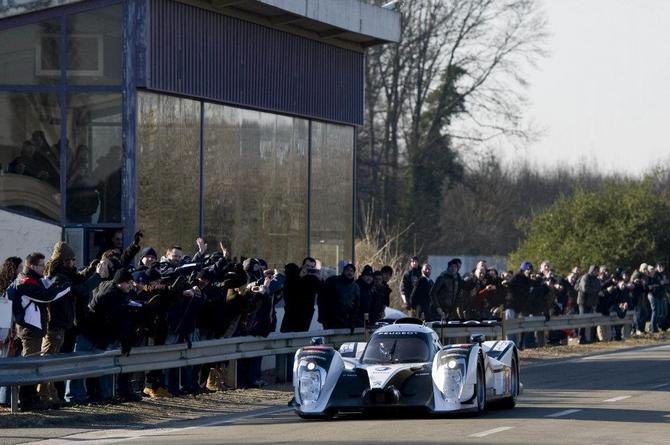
31 370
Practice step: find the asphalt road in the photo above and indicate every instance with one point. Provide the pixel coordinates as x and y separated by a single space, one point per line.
613 398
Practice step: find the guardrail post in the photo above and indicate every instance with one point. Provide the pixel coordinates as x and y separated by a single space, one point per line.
230 373
503 327
281 369
14 398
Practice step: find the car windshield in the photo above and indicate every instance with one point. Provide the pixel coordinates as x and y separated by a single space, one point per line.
411 347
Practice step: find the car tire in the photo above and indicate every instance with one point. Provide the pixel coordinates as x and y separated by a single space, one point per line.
510 402
480 389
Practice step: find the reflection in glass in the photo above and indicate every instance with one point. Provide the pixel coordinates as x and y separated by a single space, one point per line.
168 170
94 158
331 232
94 42
255 168
29 54
29 154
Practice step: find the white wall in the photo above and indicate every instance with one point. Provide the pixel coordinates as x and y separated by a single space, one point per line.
20 235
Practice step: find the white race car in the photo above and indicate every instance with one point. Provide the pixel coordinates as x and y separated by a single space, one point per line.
403 365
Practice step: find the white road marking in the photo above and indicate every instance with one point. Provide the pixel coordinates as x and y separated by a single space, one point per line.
120 435
493 431
616 399
660 386
564 413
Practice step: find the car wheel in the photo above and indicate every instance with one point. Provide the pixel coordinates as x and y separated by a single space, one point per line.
510 401
480 388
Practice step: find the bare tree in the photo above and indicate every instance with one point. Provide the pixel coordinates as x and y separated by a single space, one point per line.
453 81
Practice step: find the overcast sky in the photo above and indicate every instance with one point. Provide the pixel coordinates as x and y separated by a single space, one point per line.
603 93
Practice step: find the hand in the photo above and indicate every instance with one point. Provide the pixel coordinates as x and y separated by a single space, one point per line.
224 251
137 237
188 293
202 246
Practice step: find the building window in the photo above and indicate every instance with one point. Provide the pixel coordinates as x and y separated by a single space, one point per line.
94 158
94 42
255 183
168 170
30 154
332 186
30 54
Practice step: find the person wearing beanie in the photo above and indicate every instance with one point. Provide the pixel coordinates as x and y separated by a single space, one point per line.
61 269
107 322
340 300
365 285
148 258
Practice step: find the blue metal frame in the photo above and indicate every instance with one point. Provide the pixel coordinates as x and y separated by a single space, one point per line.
62 88
309 188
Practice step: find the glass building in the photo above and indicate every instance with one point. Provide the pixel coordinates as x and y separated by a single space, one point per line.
231 120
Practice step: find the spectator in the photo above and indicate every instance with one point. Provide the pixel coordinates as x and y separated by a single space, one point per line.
445 292
8 347
409 280
588 289
106 324
656 284
379 294
420 296
28 307
339 301
365 285
518 294
61 270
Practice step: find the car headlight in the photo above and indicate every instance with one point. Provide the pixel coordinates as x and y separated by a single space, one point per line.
451 379
311 378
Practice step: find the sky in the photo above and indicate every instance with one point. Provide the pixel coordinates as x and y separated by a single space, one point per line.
602 94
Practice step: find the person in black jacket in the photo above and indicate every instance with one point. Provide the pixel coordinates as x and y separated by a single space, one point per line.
338 302
420 296
61 269
107 323
408 282
364 282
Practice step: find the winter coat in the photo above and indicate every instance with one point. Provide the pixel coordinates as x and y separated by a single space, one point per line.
299 295
588 288
62 312
420 295
445 294
107 320
32 295
338 302
408 282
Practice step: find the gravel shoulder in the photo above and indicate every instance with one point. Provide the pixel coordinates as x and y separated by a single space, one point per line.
151 412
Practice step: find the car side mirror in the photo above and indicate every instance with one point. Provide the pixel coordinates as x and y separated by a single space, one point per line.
317 341
477 338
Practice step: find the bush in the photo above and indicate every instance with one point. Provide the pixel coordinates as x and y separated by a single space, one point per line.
624 224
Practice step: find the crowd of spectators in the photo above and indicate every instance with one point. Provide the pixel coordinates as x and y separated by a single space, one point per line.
484 293
134 297
116 302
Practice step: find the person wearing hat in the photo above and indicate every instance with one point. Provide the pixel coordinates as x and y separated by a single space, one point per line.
364 282
339 302
408 282
61 269
106 323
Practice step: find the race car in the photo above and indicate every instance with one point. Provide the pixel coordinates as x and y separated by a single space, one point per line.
404 365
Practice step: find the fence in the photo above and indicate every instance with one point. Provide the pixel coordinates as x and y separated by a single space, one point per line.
31 370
